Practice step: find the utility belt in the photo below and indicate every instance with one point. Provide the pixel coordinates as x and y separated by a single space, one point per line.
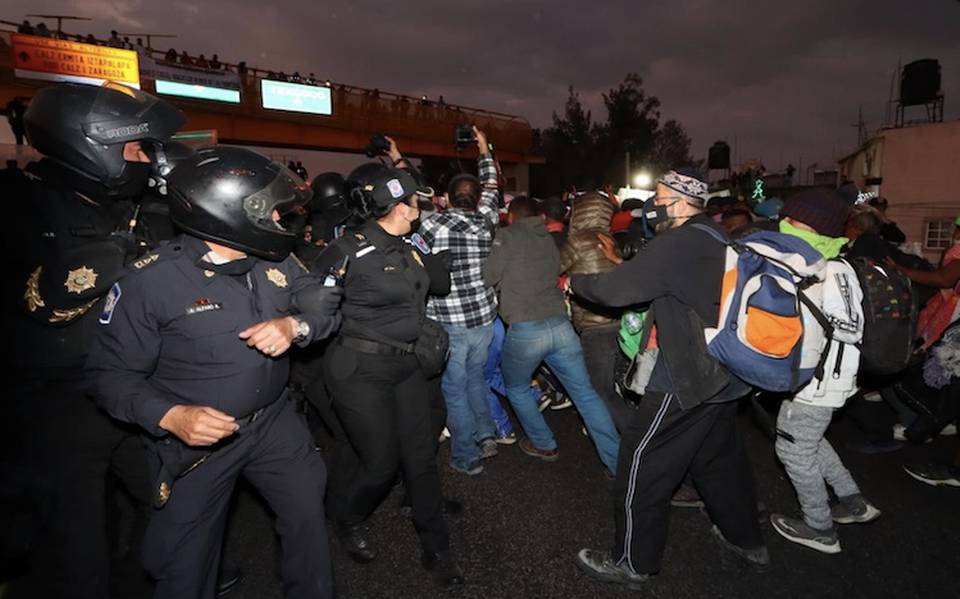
177 459
366 346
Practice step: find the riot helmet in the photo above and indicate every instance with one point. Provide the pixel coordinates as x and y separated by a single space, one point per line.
85 128
330 197
241 199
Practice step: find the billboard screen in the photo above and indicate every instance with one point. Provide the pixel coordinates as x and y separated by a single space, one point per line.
199 92
59 60
294 97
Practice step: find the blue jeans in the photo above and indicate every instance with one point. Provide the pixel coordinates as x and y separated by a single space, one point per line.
555 342
465 391
494 377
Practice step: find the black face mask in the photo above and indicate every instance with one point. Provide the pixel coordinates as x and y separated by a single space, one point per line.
653 215
137 176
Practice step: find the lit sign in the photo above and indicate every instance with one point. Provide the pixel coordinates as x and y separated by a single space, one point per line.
280 95
200 92
59 60
758 190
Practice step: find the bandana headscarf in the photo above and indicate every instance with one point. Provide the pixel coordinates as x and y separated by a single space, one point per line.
687 184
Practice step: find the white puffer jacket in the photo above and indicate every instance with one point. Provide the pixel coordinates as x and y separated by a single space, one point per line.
841 303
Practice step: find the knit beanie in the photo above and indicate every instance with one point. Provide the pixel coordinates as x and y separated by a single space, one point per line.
822 209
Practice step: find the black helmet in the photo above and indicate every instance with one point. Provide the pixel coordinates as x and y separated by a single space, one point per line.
330 197
228 195
85 127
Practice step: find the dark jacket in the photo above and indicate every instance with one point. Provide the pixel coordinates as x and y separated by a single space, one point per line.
589 218
680 272
523 266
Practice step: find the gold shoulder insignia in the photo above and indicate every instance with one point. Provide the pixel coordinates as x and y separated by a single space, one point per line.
80 280
32 294
416 256
360 236
68 315
277 278
145 261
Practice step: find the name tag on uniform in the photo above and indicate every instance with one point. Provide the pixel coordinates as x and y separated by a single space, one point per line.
365 251
203 305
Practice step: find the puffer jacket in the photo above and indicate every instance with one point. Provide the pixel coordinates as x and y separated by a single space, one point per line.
589 217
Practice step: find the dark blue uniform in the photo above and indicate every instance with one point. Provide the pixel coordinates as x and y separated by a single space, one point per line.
168 335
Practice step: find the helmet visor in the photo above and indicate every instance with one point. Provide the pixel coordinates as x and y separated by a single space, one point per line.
280 207
138 116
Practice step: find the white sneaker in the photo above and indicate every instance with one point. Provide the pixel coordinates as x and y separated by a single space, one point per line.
949 431
444 435
899 432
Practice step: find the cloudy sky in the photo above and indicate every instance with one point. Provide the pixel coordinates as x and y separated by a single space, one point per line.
781 81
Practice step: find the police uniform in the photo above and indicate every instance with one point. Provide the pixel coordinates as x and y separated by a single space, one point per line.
168 335
69 245
379 392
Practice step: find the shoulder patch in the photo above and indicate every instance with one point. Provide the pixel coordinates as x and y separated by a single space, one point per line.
146 260
417 241
113 298
359 236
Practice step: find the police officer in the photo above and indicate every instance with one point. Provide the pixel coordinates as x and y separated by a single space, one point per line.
379 389
74 228
192 345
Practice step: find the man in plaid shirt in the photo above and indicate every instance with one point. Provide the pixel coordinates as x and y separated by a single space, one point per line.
466 229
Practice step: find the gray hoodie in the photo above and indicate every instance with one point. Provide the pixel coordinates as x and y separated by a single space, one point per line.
523 266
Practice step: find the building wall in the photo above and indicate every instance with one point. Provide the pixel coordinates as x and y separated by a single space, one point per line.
920 165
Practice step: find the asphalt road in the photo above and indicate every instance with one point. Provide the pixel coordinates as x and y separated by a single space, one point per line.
526 519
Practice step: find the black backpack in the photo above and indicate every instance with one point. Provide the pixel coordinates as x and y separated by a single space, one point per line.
889 315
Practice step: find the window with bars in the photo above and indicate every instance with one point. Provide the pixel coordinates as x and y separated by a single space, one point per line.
938 235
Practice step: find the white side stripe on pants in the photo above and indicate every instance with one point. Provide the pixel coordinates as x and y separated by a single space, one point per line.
632 483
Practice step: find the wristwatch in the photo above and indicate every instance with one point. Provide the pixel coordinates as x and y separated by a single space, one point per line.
303 329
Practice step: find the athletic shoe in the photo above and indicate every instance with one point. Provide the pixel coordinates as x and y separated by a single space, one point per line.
900 433
547 455
488 448
854 509
758 557
543 402
560 401
938 475
507 439
599 565
444 435
798 531
949 431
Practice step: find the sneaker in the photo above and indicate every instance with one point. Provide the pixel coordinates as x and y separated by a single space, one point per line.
444 435
488 448
560 401
938 475
471 470
547 455
949 431
507 439
544 402
759 557
686 496
854 509
798 531
599 565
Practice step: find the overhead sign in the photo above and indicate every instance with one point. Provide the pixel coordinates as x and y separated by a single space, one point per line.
200 92
59 60
280 95
190 75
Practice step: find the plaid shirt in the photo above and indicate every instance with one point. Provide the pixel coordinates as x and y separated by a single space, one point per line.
468 235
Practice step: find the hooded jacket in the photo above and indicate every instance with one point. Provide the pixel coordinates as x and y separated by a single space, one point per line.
589 218
523 266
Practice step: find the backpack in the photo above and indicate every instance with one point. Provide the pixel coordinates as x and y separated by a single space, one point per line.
771 332
889 317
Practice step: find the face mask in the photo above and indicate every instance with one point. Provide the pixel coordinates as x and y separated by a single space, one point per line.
655 218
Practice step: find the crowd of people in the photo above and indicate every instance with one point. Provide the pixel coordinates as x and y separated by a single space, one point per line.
170 305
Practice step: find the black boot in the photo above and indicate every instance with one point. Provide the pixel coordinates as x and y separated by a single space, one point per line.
355 543
444 570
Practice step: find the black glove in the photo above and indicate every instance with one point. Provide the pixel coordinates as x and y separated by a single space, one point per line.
317 300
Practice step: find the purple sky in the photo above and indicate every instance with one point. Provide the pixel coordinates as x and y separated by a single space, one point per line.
782 80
